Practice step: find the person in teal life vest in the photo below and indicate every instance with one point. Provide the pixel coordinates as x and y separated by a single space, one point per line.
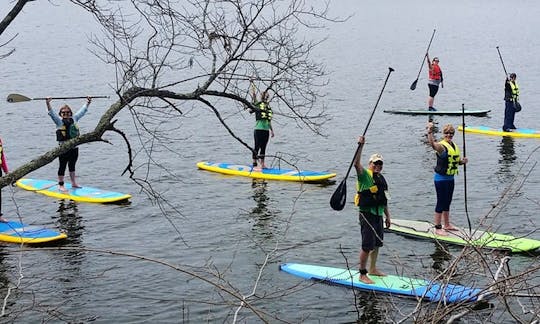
66 129
3 167
435 79
511 96
448 159
372 201
263 126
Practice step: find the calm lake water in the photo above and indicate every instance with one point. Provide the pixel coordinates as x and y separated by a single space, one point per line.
230 224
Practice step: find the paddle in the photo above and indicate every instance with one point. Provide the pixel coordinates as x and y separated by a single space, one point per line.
339 197
413 85
465 165
15 97
500 56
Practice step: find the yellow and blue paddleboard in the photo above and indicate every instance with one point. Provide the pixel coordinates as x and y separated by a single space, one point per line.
16 232
270 173
83 194
519 132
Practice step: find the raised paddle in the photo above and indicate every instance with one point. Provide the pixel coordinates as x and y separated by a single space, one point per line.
502 62
465 166
15 97
413 85
339 197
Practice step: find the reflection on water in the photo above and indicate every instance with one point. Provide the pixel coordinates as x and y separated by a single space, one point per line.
507 154
262 215
70 222
369 308
440 256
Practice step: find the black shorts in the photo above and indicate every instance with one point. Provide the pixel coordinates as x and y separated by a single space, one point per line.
433 89
372 229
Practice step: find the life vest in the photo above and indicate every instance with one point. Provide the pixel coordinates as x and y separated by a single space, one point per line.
69 130
375 195
264 111
448 165
515 90
435 73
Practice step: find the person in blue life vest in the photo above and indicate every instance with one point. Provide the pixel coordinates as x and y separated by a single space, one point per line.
435 78
511 96
66 129
3 167
448 159
263 126
372 203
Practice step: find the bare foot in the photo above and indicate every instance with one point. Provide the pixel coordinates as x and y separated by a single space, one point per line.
451 228
377 273
257 169
441 232
264 166
75 186
3 220
62 189
365 279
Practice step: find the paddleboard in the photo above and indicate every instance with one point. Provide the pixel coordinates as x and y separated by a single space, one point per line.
84 194
519 132
419 288
439 112
16 232
270 173
488 240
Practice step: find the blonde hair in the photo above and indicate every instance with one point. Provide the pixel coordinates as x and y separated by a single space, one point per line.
448 127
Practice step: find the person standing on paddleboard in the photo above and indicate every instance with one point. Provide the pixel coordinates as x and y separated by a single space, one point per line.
3 167
372 204
448 159
511 96
263 126
66 129
435 79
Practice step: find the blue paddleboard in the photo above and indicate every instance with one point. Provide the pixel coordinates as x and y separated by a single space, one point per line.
16 232
419 288
84 194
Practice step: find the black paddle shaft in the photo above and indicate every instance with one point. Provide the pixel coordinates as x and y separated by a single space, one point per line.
502 62
339 197
413 85
465 166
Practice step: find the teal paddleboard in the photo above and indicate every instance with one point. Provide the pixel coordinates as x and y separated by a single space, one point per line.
17 232
439 112
418 288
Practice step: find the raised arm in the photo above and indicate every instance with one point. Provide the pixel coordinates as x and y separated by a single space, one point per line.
357 164
436 146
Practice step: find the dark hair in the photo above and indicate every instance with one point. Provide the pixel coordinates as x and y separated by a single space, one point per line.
512 75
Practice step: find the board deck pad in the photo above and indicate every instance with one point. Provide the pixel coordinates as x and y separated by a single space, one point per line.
478 238
418 288
84 194
269 173
17 232
468 112
486 130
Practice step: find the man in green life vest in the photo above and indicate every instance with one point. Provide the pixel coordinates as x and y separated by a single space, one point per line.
373 204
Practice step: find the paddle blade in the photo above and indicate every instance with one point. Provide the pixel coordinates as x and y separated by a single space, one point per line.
338 199
15 97
413 85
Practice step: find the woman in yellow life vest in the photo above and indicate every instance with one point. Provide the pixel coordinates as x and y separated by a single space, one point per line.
373 205
66 129
3 167
448 159
511 100
263 126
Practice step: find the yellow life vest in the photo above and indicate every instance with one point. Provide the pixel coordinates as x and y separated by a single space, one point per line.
448 166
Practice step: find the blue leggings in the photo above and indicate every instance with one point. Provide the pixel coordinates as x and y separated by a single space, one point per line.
445 191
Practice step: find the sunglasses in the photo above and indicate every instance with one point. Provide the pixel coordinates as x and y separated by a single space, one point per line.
65 113
378 163
449 133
